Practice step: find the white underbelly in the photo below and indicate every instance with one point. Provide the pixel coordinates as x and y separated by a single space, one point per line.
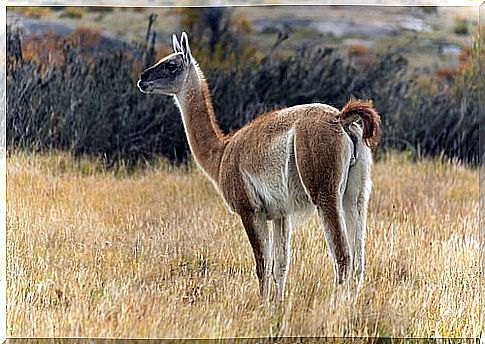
275 187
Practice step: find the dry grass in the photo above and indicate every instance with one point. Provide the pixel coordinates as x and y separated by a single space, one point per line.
156 254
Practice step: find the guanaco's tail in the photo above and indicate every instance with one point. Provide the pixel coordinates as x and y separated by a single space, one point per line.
363 110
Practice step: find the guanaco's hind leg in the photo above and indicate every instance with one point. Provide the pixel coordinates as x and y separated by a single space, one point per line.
322 161
261 243
281 248
330 212
356 199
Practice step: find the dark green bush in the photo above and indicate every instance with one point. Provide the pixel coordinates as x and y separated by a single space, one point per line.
94 107
461 27
73 12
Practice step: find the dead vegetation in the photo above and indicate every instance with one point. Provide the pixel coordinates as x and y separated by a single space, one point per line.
154 253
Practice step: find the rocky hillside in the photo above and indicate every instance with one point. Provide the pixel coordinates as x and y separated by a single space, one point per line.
430 37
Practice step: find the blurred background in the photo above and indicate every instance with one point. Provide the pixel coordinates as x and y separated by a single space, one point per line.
72 72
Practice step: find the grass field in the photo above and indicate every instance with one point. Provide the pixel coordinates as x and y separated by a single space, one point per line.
156 254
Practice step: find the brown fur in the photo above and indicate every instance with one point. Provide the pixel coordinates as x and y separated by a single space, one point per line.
250 223
247 148
364 109
307 140
318 144
205 138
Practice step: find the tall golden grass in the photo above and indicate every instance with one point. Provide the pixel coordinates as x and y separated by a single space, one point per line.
156 254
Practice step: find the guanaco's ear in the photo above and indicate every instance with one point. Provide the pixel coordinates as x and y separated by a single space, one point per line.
176 45
184 42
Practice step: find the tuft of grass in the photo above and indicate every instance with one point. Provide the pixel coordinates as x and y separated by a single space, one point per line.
155 253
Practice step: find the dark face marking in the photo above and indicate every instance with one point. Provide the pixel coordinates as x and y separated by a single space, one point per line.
163 70
163 76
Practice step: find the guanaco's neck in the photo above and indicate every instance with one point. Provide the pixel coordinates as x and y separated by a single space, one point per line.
206 140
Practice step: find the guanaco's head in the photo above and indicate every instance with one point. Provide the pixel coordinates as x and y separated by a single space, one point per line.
169 74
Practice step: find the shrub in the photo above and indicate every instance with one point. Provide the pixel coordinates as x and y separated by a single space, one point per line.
446 73
33 12
465 55
92 106
461 26
49 49
45 49
84 37
220 37
100 9
357 50
429 9
73 12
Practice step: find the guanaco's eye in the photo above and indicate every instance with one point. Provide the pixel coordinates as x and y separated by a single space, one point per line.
171 66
